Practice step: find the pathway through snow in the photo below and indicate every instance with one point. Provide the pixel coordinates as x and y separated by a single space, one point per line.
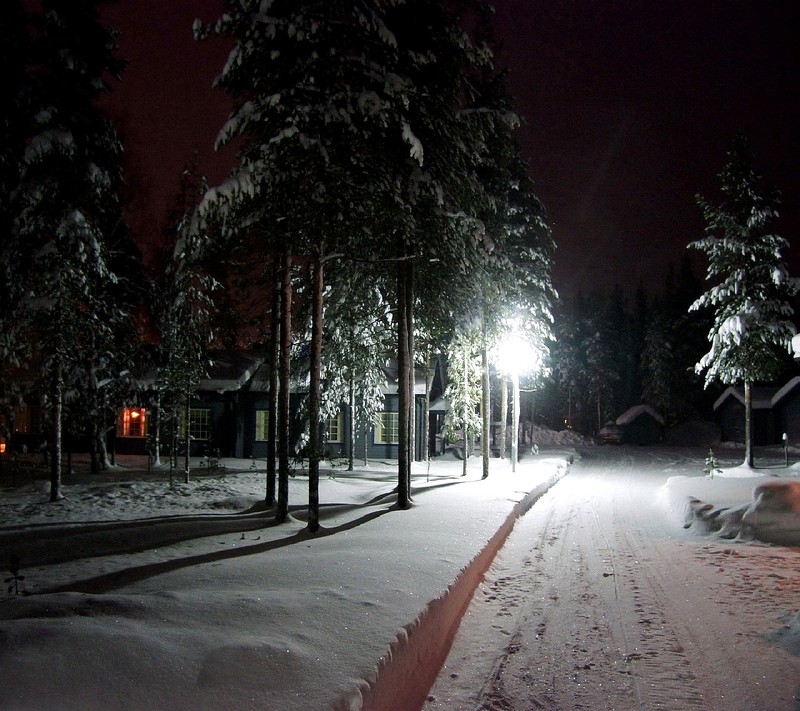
598 601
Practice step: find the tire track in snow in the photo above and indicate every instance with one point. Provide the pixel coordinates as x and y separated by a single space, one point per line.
660 666
594 604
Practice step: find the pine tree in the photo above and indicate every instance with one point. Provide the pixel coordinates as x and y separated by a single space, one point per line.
311 96
184 318
15 114
463 391
363 134
751 289
67 206
357 348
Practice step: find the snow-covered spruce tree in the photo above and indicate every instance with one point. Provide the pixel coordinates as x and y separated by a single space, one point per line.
568 363
584 361
358 346
463 391
312 92
15 115
67 204
658 366
751 289
530 252
184 318
451 122
598 361
513 280
336 103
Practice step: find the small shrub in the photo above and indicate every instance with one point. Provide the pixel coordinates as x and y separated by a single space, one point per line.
712 465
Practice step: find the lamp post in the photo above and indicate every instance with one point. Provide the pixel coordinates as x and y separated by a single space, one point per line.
514 419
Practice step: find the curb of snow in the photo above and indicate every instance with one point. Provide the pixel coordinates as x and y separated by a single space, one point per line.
410 666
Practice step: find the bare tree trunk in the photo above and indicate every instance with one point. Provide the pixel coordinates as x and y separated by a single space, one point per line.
748 424
569 407
426 423
351 386
486 408
187 437
503 416
55 439
157 435
466 412
274 358
412 399
403 464
315 447
515 422
282 510
173 453
365 432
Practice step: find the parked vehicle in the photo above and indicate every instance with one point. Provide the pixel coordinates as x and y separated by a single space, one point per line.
610 433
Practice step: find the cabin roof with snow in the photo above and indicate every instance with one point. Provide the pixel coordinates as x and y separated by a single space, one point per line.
230 371
637 411
786 389
763 397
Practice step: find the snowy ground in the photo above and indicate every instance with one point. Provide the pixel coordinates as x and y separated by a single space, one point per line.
601 599
142 597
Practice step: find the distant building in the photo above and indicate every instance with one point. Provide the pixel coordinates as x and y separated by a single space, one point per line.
641 424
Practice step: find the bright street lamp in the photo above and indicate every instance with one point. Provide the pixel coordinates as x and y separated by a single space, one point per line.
514 357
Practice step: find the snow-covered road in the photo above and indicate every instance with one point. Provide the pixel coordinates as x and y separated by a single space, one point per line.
599 601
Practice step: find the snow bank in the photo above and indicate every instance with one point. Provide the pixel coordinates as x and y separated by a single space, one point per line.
774 515
223 610
413 662
545 437
763 507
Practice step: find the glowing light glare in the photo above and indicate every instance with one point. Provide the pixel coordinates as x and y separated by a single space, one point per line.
515 356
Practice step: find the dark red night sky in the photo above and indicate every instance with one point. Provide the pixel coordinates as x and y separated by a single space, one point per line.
629 109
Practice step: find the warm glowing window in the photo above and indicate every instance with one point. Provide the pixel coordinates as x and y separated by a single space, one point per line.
387 431
333 428
132 422
262 425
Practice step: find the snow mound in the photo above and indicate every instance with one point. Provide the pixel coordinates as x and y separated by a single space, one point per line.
545 437
775 512
741 472
768 512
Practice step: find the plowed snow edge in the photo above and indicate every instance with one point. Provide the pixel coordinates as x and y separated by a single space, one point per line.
408 669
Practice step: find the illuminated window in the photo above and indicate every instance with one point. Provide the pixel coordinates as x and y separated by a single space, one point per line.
132 422
387 431
262 425
333 428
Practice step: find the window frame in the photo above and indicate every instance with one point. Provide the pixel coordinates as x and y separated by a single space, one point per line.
337 421
382 427
199 425
126 419
261 425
